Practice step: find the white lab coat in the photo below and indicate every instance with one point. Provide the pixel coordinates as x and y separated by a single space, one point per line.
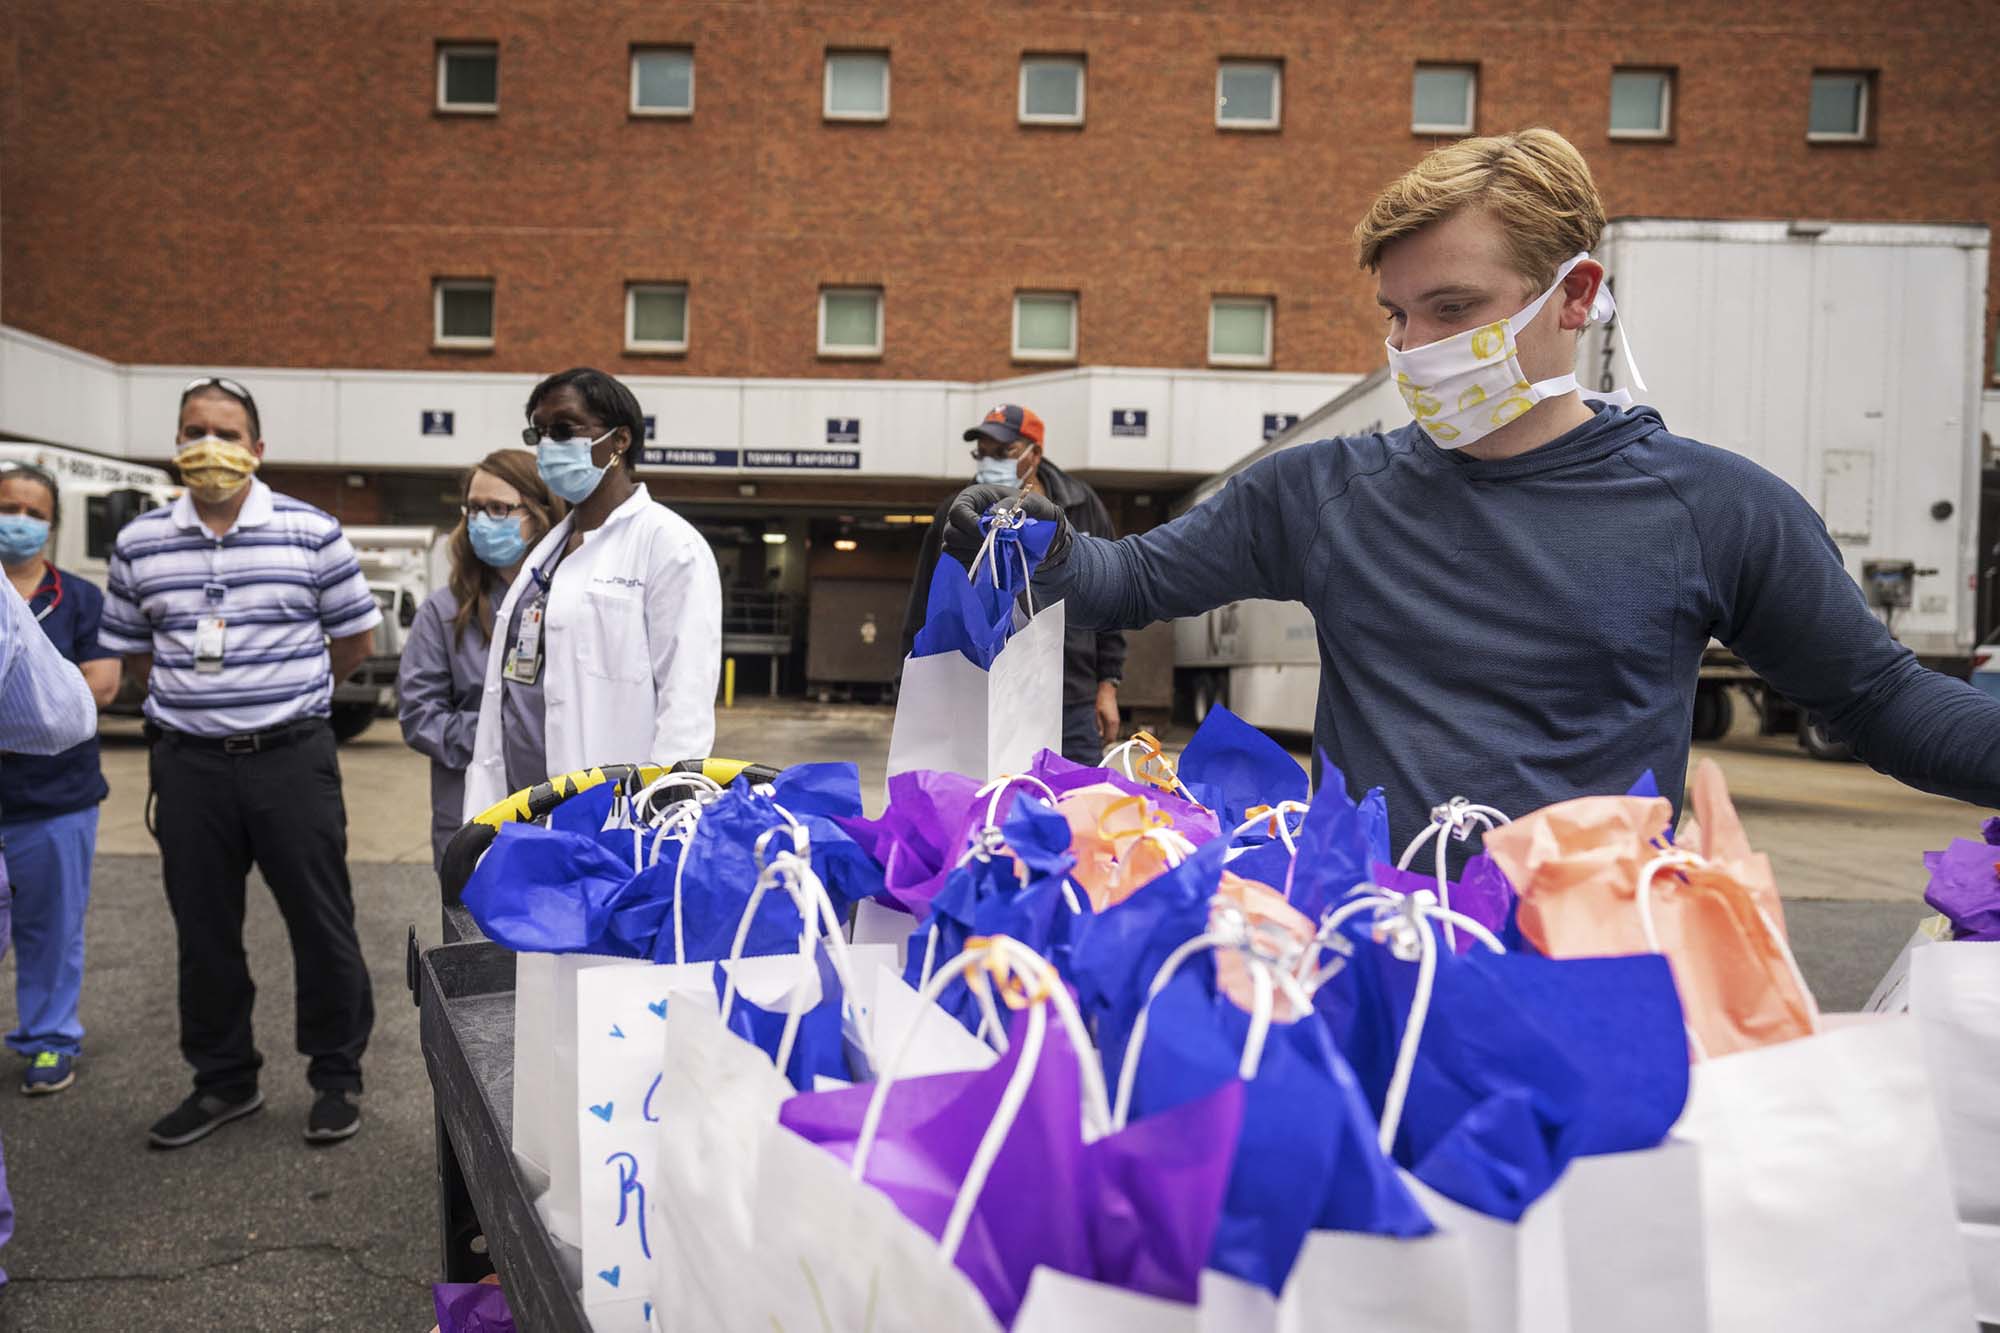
631 653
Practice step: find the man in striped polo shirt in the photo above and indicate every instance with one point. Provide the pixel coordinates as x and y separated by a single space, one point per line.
240 608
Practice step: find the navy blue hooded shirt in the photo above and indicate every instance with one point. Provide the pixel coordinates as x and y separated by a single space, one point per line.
1530 629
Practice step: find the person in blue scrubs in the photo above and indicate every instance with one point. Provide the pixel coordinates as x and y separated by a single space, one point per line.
48 804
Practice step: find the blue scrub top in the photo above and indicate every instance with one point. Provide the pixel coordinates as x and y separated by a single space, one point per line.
36 786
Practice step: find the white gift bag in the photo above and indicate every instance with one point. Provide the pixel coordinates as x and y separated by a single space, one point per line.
1982 1259
951 715
1516 1273
937 1042
1635 1256
879 923
720 1097
534 1129
1064 1303
1347 1280
1955 995
1228 1304
838 1254
620 1016
1824 1191
550 1082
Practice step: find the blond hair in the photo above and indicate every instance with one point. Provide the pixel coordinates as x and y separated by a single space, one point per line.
1534 181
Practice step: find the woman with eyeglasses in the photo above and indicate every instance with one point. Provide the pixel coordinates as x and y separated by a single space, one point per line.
616 615
505 510
48 803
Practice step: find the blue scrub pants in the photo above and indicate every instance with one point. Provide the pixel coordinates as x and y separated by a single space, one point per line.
48 861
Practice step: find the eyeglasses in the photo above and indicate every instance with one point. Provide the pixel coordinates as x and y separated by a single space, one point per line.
559 432
1008 451
495 509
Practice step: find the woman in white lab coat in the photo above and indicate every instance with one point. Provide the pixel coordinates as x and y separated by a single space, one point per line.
616 614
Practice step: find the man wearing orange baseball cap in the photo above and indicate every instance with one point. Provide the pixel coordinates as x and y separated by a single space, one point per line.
1007 451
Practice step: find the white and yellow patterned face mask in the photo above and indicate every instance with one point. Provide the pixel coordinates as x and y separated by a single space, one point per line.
216 469
1465 387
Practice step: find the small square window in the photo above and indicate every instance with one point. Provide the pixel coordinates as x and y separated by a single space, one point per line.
656 317
857 85
850 321
1045 326
1642 103
462 312
1442 99
1839 110
663 82
1239 331
1247 94
1051 90
468 79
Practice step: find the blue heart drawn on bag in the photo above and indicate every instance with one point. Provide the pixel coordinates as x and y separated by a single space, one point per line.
610 1275
603 1112
659 1008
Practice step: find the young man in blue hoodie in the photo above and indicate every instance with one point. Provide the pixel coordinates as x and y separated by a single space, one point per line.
1512 593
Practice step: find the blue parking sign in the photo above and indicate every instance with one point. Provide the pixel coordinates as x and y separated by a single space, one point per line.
1128 421
436 422
843 430
1277 423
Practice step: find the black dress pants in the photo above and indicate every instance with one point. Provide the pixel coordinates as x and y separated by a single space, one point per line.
281 808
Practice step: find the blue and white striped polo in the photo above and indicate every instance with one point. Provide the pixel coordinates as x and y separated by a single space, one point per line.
283 579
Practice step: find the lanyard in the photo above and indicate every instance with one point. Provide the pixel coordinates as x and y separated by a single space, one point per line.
53 586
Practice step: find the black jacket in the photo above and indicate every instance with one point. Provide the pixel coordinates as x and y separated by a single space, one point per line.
1089 655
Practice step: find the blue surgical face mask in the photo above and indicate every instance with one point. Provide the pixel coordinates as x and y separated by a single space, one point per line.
498 542
22 536
565 465
996 472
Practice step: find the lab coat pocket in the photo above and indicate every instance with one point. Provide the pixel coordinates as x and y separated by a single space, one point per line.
612 641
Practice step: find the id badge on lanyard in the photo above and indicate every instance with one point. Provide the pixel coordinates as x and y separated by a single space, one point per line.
208 632
524 657
523 663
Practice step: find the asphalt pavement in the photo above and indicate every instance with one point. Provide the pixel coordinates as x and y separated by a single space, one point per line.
252 1229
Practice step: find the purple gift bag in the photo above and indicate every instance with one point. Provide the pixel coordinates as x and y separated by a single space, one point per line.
471 1307
1135 1209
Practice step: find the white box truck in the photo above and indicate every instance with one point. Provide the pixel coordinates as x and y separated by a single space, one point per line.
1844 357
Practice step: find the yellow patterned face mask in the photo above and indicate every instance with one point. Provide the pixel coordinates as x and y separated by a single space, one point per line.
216 469
1465 387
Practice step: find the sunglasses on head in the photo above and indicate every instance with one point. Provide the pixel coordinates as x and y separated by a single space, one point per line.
228 386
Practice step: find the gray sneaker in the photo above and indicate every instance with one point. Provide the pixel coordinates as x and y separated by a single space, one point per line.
334 1117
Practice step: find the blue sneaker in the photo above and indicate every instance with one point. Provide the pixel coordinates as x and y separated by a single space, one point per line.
49 1071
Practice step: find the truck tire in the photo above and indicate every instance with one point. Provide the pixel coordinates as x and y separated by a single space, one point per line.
1820 743
350 720
1209 691
1714 712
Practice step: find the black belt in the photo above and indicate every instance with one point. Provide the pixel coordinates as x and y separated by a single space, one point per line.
250 742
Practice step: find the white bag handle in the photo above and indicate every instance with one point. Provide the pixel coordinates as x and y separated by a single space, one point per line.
1456 817
984 842
1005 954
1268 816
1403 918
791 869
1122 753
1274 959
1642 896
1012 518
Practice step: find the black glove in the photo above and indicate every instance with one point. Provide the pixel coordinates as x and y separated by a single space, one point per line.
962 537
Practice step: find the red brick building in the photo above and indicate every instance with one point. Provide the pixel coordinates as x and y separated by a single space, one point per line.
275 184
